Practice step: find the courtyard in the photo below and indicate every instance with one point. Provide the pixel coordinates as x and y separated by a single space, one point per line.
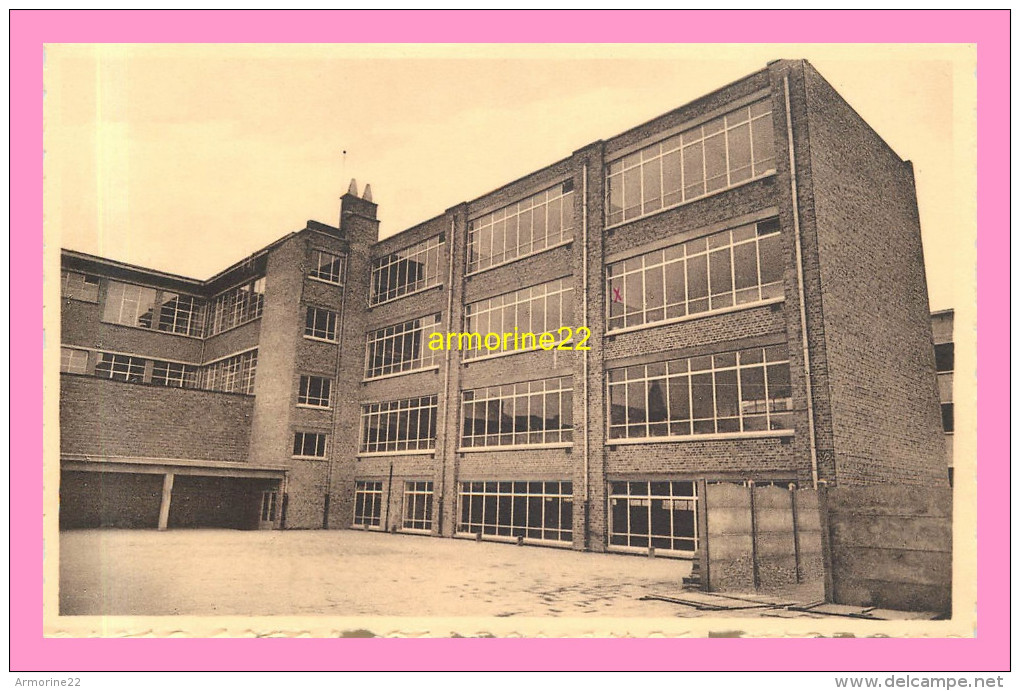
352 573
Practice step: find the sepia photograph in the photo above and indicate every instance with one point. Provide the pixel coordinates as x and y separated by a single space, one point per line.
541 340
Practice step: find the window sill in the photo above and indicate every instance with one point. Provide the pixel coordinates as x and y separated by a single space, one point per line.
155 331
323 280
309 458
415 531
373 305
77 299
699 315
509 539
430 368
515 447
520 351
724 436
659 552
561 243
403 452
308 406
235 326
651 214
320 340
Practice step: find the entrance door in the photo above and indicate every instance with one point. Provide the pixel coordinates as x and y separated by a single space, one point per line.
267 512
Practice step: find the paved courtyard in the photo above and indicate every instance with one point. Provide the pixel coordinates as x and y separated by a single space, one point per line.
352 573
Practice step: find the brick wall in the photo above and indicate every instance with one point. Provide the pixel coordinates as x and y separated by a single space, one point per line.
874 312
103 417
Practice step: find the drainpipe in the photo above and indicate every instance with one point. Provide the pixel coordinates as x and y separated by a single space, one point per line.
446 373
584 357
800 289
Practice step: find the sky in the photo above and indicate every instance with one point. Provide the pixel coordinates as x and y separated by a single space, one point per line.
187 158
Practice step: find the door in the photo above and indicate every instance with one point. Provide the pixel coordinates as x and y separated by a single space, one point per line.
268 510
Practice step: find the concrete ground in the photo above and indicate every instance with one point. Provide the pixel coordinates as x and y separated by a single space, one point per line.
352 573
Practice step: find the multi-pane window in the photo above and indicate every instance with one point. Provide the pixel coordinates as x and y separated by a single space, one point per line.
536 309
535 510
735 267
181 314
662 515
320 324
74 360
79 286
531 412
417 505
314 391
174 374
407 271
531 225
745 391
235 374
721 153
120 367
401 347
310 444
404 425
129 304
368 503
237 306
328 267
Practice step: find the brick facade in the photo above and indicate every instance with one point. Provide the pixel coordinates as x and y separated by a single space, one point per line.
845 205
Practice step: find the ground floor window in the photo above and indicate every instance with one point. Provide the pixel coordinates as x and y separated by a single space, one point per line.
662 515
417 505
368 503
535 510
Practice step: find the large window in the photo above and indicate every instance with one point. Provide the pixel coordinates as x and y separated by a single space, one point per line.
310 444
174 374
745 391
401 347
531 412
537 309
327 267
531 225
120 367
79 286
535 510
417 505
320 324
662 515
129 304
237 306
735 267
721 153
181 314
314 391
74 360
368 503
235 374
405 425
407 271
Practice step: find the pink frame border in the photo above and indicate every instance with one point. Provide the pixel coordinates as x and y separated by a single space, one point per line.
29 651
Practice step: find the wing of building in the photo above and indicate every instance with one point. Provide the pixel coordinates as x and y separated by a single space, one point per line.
750 273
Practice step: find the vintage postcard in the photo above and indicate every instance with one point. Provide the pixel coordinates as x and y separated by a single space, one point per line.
510 340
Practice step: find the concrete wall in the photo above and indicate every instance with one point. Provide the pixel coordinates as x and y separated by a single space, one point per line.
760 538
103 417
890 547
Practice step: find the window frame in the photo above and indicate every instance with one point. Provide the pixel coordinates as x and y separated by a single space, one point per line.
78 292
383 413
304 434
315 273
679 144
561 288
508 496
426 359
483 227
613 496
312 312
305 399
71 351
491 400
429 247
361 492
418 494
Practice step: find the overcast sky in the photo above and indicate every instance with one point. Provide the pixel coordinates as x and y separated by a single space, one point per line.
189 158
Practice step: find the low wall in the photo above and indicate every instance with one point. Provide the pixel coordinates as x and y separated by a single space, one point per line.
890 547
760 538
